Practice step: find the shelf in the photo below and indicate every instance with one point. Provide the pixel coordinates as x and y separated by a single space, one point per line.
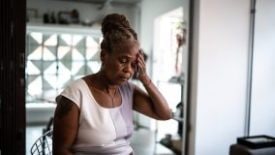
57 28
177 79
174 145
179 119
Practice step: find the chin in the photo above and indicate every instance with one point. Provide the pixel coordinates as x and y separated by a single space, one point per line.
122 81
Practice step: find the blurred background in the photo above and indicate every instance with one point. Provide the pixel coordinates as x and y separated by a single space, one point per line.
212 59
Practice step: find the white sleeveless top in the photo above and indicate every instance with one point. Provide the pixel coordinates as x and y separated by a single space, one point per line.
102 131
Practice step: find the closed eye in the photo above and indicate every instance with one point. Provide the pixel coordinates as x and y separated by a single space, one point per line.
124 60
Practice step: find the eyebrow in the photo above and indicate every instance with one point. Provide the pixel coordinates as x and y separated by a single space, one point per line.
126 56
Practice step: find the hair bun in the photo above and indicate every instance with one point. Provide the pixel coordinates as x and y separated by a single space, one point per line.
114 22
116 29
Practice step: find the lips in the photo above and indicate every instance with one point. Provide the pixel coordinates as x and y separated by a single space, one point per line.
124 78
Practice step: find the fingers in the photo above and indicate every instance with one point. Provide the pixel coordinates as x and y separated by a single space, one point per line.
141 64
140 60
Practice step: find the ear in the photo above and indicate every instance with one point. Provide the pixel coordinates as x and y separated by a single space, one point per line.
102 55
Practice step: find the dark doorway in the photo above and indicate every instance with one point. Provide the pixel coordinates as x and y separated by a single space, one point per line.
12 77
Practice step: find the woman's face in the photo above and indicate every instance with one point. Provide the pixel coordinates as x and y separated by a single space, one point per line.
119 65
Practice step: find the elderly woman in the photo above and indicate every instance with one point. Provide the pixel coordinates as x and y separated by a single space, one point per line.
94 113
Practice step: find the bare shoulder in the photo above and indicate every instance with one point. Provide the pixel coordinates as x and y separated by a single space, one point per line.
64 107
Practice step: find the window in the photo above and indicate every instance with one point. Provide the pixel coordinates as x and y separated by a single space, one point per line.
56 56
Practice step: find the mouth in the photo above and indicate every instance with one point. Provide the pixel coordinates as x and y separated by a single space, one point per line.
124 78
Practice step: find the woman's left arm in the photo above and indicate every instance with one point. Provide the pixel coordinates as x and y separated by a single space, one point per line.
152 103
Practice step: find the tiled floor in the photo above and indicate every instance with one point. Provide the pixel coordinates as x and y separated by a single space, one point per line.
143 141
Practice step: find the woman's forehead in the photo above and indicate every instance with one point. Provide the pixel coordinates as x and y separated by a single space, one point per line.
127 47
131 54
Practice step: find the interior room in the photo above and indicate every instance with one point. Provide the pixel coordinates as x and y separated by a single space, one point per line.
61 48
212 60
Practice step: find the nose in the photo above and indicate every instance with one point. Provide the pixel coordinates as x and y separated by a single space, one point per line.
128 69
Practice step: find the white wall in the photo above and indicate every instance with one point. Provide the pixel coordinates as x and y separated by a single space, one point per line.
219 74
263 84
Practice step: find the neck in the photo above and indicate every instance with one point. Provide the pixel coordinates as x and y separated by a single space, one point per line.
105 84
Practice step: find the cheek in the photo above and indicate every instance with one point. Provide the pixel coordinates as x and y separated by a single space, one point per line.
114 69
117 68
